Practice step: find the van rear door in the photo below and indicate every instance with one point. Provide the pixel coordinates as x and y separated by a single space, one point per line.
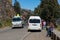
34 22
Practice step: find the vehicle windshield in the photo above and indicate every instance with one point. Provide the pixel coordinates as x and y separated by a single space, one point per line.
16 19
34 21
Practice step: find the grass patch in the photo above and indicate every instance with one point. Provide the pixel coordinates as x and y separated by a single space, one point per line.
58 28
5 23
1 24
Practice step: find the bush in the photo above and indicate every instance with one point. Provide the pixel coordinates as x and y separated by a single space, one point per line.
7 22
58 28
0 24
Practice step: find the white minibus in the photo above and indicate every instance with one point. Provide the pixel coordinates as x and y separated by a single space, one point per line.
34 23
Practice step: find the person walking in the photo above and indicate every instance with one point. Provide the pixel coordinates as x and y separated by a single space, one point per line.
47 29
51 28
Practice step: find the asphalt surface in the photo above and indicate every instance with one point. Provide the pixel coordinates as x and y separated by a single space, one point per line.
22 34
37 36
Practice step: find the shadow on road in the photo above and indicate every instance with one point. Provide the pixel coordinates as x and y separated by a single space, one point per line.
35 30
17 27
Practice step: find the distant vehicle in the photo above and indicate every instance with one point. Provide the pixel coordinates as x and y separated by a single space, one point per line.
17 21
34 23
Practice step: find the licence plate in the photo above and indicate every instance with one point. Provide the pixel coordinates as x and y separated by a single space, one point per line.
34 25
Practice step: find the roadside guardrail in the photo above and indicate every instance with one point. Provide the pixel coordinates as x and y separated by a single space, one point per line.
55 35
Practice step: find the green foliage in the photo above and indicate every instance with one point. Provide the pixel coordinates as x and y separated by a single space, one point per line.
48 10
0 24
7 22
58 28
17 7
27 16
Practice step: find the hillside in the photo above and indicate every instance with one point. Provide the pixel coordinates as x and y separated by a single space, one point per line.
6 9
26 11
6 12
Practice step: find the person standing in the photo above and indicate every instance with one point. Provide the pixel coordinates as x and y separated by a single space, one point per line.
44 24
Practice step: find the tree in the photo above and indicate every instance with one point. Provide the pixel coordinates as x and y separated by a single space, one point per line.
17 7
36 11
48 10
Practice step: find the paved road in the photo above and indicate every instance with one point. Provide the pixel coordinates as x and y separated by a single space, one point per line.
13 34
22 34
37 36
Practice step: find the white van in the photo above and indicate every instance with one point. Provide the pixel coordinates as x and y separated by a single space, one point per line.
17 21
34 23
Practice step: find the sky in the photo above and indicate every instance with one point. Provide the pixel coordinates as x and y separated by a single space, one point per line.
59 1
29 4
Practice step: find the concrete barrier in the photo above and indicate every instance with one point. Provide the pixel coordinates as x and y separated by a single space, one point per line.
55 35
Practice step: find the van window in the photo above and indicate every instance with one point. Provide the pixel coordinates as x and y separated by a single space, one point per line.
34 21
16 19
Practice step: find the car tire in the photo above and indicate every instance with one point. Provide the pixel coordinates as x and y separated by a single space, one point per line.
12 27
28 30
22 26
40 30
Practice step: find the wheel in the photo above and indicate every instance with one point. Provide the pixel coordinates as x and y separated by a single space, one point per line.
12 27
28 30
22 25
40 30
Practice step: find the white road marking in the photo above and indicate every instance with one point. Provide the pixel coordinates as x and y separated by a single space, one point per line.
25 35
